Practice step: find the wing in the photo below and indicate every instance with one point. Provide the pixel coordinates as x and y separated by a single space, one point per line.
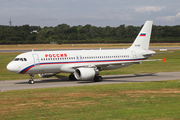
126 63
105 64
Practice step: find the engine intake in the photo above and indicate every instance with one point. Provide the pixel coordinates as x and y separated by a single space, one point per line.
84 73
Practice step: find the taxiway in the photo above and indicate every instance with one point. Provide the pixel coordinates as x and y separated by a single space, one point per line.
107 79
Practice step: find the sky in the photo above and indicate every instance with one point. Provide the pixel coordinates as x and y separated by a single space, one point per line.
94 12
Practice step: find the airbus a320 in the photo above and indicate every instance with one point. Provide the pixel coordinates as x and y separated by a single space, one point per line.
83 64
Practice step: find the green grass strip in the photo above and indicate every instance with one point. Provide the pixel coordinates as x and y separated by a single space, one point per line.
140 101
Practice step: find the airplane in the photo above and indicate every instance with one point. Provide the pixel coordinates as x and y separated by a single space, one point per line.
84 64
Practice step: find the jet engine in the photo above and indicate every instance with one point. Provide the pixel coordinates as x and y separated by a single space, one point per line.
84 73
46 75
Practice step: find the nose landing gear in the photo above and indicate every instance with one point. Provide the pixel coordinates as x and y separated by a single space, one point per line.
31 81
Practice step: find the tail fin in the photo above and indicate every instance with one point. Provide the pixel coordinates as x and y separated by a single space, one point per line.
143 38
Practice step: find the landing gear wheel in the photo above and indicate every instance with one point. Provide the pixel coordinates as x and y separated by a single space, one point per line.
97 79
31 81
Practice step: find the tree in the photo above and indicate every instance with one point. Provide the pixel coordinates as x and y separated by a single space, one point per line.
41 39
121 31
79 29
93 31
63 33
62 29
72 36
106 31
31 37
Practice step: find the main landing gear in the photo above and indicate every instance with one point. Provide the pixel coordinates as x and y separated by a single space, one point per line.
72 77
31 81
97 79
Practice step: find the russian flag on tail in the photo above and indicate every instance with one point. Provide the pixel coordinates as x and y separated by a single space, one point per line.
143 34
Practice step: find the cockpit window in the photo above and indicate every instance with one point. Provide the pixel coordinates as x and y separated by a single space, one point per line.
16 59
20 59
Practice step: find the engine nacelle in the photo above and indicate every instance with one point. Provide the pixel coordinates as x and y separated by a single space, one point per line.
46 75
84 73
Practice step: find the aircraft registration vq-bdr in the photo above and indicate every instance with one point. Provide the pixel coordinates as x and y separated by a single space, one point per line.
84 64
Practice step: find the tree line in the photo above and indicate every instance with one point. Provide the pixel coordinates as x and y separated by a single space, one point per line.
64 34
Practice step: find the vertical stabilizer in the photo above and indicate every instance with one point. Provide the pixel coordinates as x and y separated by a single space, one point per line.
142 40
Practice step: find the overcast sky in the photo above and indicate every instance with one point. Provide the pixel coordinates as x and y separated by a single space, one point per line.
95 12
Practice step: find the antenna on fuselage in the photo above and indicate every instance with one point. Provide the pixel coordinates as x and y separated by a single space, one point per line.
32 50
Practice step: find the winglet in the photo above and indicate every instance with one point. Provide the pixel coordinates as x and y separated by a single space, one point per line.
164 59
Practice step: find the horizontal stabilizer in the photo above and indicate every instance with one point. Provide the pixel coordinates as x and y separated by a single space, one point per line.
164 59
164 52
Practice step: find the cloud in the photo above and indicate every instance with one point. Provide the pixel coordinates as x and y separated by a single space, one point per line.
112 13
110 16
148 9
169 18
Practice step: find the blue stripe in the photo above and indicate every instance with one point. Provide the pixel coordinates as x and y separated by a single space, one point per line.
26 68
143 33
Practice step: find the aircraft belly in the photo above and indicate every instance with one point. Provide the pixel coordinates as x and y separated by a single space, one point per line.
51 68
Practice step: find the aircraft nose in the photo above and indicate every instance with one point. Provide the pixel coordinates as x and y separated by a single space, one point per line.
12 68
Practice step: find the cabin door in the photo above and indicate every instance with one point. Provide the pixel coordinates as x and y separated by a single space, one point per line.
36 59
134 54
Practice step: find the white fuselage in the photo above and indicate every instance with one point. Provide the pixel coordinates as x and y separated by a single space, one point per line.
38 62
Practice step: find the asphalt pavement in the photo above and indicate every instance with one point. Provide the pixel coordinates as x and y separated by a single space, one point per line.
107 79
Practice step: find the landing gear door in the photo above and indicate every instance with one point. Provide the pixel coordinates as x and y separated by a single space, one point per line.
36 59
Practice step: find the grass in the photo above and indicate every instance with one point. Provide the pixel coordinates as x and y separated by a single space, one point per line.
61 46
140 101
78 46
172 64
